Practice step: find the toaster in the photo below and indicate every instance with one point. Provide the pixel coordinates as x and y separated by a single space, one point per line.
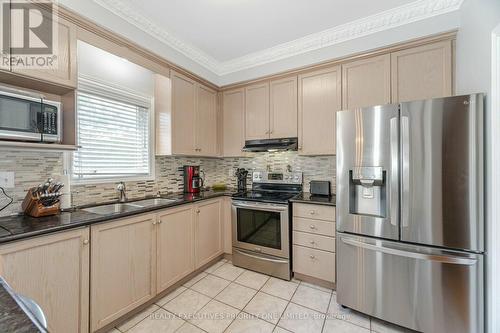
320 187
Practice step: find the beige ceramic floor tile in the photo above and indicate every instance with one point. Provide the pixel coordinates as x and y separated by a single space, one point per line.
379 326
187 304
266 307
299 319
195 279
228 272
280 288
210 285
189 328
236 295
342 326
160 321
312 298
215 266
354 317
215 317
251 279
311 285
137 318
278 329
249 324
171 296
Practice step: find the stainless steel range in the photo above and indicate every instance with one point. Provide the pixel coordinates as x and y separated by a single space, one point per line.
261 223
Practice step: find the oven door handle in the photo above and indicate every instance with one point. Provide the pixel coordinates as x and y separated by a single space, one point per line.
279 261
260 207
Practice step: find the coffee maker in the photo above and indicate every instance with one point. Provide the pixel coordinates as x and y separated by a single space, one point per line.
192 179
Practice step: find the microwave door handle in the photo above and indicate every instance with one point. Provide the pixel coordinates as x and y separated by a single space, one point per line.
442 258
394 173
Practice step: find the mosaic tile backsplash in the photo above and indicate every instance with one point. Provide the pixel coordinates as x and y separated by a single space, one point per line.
32 168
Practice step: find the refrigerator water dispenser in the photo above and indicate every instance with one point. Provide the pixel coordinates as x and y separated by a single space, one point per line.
368 191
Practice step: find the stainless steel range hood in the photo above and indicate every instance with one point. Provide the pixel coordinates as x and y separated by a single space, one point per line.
271 145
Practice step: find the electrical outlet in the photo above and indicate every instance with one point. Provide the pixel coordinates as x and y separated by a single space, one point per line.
7 179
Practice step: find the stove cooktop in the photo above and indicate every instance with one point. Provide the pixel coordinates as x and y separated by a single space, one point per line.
265 196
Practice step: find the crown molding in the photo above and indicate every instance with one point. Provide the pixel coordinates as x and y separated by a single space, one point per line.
392 18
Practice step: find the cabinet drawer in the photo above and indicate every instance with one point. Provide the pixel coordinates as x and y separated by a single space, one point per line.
314 241
319 212
314 263
314 226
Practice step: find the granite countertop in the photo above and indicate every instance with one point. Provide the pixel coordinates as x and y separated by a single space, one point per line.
13 318
18 227
306 197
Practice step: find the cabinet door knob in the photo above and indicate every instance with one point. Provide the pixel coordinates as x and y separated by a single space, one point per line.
154 222
312 242
85 242
312 257
312 212
198 211
312 226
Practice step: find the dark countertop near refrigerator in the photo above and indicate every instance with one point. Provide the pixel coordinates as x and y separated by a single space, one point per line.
12 317
18 227
306 197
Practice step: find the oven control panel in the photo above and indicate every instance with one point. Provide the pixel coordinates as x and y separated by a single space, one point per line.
277 177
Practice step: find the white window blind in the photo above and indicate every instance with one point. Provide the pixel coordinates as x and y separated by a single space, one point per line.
114 135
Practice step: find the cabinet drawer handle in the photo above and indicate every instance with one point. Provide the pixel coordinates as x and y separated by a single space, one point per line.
312 242
312 212
312 226
85 242
312 256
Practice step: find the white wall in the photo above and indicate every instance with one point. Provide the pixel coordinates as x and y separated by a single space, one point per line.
107 67
478 19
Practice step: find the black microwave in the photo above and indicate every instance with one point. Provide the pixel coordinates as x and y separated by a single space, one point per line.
27 118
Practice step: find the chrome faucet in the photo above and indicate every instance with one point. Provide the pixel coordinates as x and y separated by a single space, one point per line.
122 189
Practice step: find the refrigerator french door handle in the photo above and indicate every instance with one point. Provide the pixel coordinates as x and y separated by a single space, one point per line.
394 178
405 172
446 259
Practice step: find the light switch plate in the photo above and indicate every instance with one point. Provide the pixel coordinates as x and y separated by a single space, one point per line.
7 179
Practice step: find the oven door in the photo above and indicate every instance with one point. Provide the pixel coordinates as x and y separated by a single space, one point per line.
261 227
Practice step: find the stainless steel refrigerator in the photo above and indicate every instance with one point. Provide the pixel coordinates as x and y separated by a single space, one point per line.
410 213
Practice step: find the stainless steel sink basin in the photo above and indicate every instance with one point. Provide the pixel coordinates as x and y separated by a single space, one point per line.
113 208
153 202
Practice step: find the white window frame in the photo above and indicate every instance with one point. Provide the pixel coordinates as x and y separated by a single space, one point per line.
98 87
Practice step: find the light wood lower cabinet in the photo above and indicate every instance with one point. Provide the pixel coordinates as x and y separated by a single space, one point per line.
227 225
208 231
53 270
123 267
175 245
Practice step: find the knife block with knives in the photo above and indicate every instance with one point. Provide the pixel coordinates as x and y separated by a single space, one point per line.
43 200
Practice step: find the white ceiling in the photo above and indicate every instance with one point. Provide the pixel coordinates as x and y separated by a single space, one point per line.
230 36
228 29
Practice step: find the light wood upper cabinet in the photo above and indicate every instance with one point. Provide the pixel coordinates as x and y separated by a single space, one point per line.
54 271
257 111
233 122
366 82
123 268
175 245
184 97
319 101
208 231
66 71
206 121
422 72
283 108
194 118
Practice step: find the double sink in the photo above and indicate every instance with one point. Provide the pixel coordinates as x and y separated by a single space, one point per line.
129 206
